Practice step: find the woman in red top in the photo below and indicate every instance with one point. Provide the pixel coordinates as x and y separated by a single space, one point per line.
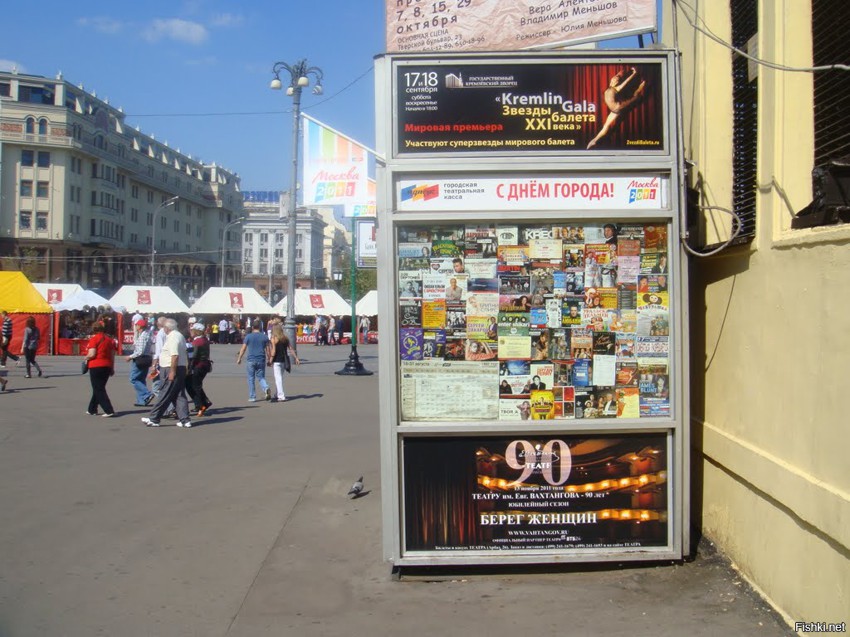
101 361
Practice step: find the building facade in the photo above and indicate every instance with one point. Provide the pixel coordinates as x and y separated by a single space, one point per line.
320 243
769 347
85 198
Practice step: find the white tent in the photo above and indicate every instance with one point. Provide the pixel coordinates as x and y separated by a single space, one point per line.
231 301
85 298
368 305
314 302
57 292
148 299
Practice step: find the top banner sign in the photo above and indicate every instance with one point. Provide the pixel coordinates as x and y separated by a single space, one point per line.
463 105
511 25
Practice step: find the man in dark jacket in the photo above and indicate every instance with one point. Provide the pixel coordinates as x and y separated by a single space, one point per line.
6 339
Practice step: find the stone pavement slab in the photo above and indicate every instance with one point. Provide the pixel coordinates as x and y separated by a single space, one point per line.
241 526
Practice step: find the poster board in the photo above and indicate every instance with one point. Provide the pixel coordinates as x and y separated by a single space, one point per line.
538 301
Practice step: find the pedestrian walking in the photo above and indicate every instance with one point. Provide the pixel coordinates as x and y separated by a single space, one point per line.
281 350
6 342
158 342
140 362
173 363
365 326
223 328
100 356
29 346
332 330
201 366
259 352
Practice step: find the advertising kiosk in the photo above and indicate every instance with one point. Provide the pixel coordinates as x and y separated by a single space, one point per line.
533 297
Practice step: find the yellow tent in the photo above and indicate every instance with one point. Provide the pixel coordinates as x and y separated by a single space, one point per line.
20 299
19 296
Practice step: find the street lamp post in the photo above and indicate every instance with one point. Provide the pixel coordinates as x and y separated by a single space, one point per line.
299 77
224 246
161 207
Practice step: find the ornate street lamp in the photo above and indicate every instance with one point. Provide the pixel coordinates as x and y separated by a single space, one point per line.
299 75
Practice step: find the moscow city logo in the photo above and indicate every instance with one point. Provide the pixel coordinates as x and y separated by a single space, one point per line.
646 190
420 193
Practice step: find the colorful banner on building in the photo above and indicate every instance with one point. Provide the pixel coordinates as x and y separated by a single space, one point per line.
511 25
506 106
335 167
367 244
536 492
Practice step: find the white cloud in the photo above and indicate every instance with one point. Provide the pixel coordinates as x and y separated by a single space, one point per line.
102 24
176 29
8 65
227 20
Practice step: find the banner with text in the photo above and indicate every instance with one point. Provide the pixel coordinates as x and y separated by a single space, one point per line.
507 106
534 193
335 170
536 492
510 25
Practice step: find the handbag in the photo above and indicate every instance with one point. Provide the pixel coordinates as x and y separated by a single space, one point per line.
143 360
84 367
286 364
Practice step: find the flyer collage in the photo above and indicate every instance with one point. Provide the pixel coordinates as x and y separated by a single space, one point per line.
534 322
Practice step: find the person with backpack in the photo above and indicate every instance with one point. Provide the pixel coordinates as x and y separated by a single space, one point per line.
29 346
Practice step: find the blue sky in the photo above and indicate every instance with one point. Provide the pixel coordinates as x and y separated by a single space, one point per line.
196 73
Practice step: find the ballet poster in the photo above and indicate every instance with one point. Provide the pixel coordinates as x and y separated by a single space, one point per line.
537 107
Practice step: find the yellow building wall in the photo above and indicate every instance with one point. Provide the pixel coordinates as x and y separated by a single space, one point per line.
770 333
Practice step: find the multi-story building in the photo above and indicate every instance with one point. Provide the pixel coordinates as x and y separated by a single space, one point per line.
320 242
84 196
767 135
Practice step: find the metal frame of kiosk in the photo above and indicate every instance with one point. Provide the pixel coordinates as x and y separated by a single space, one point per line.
508 446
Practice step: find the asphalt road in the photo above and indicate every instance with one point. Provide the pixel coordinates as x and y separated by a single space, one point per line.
241 526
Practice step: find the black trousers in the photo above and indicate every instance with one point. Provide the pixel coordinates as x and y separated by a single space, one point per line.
195 388
6 354
99 376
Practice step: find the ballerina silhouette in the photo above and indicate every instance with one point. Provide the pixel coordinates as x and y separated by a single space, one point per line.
615 103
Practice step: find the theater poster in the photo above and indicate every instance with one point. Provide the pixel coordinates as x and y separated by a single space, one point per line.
467 106
536 492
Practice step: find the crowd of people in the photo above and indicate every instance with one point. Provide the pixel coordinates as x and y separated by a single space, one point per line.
170 360
175 358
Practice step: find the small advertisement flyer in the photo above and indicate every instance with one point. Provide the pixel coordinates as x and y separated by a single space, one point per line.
536 492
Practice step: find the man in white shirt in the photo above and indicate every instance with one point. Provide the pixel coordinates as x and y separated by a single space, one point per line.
223 326
173 362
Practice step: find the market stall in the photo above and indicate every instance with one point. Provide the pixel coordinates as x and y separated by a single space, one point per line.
368 306
21 300
312 303
73 319
55 293
147 299
231 301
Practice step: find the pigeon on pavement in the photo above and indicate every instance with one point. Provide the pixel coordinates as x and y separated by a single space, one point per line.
356 488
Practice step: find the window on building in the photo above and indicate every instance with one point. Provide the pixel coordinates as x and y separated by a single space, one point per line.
42 126
150 218
745 19
264 268
150 196
188 228
247 268
43 159
278 254
176 226
36 94
26 188
264 253
41 221
831 127
298 254
5 89
248 253
42 189
25 220
264 237
29 125
278 268
134 192
70 100
163 222
298 239
94 197
93 228
27 158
